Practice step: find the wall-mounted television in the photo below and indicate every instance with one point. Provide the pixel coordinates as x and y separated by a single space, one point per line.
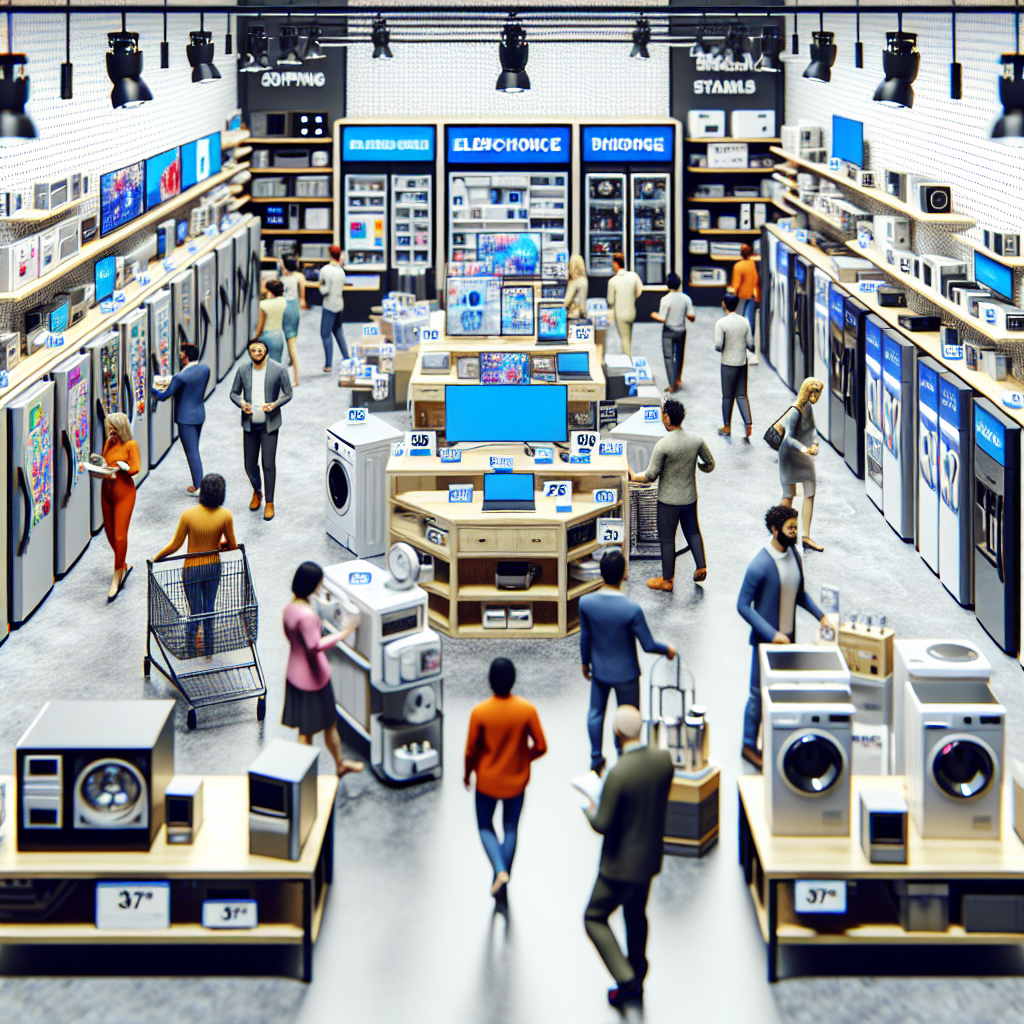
163 177
481 413
848 140
994 275
122 196
200 159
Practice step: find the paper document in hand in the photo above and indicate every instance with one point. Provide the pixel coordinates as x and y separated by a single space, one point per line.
590 785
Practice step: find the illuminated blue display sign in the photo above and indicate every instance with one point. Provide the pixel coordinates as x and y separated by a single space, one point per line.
892 358
928 389
368 142
949 402
509 144
990 434
782 260
836 306
873 342
629 143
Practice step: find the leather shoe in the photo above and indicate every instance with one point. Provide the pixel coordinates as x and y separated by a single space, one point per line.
657 583
257 498
268 511
630 992
752 756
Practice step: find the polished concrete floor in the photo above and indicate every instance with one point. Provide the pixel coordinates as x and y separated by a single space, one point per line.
410 933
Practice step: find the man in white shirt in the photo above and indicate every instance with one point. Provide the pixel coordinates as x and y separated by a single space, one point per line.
734 339
624 289
332 315
675 309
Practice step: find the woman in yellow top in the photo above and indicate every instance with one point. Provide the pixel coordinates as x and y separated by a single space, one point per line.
270 326
747 285
210 528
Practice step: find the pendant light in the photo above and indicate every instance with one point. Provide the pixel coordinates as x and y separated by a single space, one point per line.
124 68
381 36
858 47
513 52
227 35
14 89
1009 129
313 49
641 39
200 55
901 62
288 41
165 46
769 44
67 70
956 71
823 53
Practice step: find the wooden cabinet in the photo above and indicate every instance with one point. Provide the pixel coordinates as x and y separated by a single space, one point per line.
540 541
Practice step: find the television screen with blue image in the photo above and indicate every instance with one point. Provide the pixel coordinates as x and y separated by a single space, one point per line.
552 323
122 196
200 159
163 177
848 140
513 254
994 275
517 317
105 271
504 368
473 306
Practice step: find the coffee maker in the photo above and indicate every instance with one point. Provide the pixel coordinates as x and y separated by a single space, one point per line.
685 737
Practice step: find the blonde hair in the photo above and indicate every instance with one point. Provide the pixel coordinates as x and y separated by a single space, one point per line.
810 385
120 424
577 268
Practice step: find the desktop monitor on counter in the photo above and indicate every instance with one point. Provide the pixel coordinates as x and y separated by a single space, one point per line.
496 413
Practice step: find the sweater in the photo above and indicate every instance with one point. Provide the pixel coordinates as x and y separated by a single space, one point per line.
307 664
610 627
733 338
114 451
204 528
674 459
745 282
497 746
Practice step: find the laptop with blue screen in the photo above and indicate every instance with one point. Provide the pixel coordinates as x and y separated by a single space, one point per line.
573 366
508 492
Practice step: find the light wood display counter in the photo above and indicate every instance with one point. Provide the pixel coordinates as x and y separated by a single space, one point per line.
290 895
771 864
464 581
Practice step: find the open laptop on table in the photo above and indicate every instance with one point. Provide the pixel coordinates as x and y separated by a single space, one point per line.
508 492
573 365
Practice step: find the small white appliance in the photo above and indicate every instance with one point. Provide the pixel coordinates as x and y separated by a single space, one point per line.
801 665
891 231
753 124
640 435
954 747
354 484
937 271
944 661
705 124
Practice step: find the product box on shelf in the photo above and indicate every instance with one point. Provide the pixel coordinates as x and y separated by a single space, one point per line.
269 188
796 138
19 263
706 124
753 124
931 196
48 195
10 351
1001 316
729 154
313 186
1002 243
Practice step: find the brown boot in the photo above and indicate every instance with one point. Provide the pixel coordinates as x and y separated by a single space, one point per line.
725 431
268 511
657 583
257 498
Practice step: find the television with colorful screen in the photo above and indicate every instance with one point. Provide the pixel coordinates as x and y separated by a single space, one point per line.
122 196
163 177
552 322
473 306
200 159
513 254
517 317
504 368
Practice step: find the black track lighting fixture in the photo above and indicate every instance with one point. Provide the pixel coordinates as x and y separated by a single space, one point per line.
227 35
313 50
823 54
794 46
735 45
701 45
641 39
200 55
255 59
288 40
514 52
858 47
769 45
901 62
1009 128
124 68
67 70
14 90
165 46
956 70
381 35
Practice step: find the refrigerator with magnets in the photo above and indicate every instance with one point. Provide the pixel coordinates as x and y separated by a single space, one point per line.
162 364
107 397
134 330
956 473
72 442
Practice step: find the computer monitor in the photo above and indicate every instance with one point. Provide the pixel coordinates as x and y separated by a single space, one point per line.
508 487
481 413
517 314
512 254
504 368
994 275
122 196
163 177
552 322
105 271
573 362
848 140
200 159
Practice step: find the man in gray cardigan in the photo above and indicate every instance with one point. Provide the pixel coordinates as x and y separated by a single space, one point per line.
261 387
631 817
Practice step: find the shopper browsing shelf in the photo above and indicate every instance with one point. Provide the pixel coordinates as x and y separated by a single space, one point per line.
773 588
505 738
797 452
117 494
675 309
624 289
747 285
188 385
631 817
332 315
675 459
294 283
611 625
577 290
270 326
734 339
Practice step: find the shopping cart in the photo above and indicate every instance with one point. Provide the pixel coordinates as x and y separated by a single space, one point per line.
643 523
205 613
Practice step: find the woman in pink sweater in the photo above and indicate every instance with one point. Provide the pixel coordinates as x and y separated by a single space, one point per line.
309 698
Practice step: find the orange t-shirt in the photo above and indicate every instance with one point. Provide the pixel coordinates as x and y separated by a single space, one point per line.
497 747
745 281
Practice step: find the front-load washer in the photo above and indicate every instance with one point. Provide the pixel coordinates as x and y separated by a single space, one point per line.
935 661
354 484
954 751
809 733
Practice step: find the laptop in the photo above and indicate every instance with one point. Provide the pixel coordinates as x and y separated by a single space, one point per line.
573 365
508 492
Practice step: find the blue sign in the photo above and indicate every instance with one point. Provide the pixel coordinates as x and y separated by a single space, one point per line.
543 456
892 358
873 342
949 402
800 271
629 143
461 493
368 142
836 306
782 260
989 434
928 388
359 579
450 454
582 459
509 144
501 463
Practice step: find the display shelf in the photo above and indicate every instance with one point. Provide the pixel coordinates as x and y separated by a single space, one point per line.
91 250
241 152
228 140
275 140
299 231
239 202
541 630
1007 261
875 194
481 592
812 212
767 141
40 216
176 935
765 172
439 587
579 589
290 170
706 284
322 200
726 231
730 199
731 259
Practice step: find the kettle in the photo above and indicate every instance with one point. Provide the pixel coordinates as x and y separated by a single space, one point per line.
685 737
695 749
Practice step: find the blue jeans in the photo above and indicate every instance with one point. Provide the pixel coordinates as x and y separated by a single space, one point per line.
752 713
201 583
189 434
749 310
625 693
290 323
274 340
500 854
333 323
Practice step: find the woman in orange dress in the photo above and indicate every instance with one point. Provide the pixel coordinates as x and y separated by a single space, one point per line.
117 494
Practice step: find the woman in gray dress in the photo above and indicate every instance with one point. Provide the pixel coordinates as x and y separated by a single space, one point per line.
796 454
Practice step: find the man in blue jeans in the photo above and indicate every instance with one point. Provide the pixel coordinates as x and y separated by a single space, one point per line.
188 385
610 626
332 315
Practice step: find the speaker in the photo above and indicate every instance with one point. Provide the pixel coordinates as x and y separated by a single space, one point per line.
184 808
932 197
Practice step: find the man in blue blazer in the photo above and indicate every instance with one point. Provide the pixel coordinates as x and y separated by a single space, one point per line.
188 385
610 626
772 588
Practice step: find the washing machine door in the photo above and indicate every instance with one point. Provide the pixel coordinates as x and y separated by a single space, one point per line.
339 487
811 763
110 793
963 767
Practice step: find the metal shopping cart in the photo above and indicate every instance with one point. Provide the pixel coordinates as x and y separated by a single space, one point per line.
643 523
205 613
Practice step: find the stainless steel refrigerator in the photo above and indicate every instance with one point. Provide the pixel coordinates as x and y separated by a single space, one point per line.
205 275
801 360
853 374
73 443
837 367
928 373
899 358
225 304
5 501
254 275
782 312
183 320
32 514
822 345
956 474
105 353
242 285
162 363
874 462
134 330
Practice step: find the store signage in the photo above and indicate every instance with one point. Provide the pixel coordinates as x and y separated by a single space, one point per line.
610 448
651 414
387 142
426 335
949 402
605 496
421 442
990 434
133 905
583 459
397 449
54 340
450 454
818 897
610 531
359 579
892 359
460 493
583 441
370 331
635 143
501 463
512 144
561 491
357 415
582 332
230 914
300 79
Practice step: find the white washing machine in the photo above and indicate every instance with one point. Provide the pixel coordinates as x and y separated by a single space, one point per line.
954 749
935 661
809 731
354 484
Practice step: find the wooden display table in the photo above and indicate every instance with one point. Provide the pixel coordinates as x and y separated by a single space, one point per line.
290 895
771 864
691 821
464 582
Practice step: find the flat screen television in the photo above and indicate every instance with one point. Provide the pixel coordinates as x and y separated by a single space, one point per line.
848 140
473 307
517 317
200 159
163 177
105 272
994 275
552 322
512 253
482 413
504 368
122 196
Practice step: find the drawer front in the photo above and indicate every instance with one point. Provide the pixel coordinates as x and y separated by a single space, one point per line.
585 392
422 394
538 541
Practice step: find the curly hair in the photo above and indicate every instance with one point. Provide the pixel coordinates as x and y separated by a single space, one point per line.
675 411
777 516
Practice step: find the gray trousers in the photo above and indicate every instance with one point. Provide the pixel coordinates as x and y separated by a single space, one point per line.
607 897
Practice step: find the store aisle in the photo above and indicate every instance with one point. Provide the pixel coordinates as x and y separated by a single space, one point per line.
409 932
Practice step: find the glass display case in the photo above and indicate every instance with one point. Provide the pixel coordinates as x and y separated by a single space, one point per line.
651 199
605 221
366 221
412 231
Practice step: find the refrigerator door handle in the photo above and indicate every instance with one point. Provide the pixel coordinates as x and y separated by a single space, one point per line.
66 444
101 413
182 336
204 320
999 538
26 531
129 406
224 311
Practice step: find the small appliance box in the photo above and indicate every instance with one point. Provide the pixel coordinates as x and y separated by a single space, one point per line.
91 775
282 799
753 124
706 124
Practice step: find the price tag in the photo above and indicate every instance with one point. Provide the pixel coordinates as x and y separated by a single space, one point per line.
631 379
1013 399
605 496
387 351
421 309
133 905
819 897
543 456
460 493
834 163
582 332
785 225
357 415
501 463
397 449
193 248
864 239
54 340
168 266
359 579
120 298
639 361
211 230
801 235
5 381
561 491
611 448
583 442
580 460
426 334
230 914
108 306
867 286
421 442
450 454
610 531
652 414
370 331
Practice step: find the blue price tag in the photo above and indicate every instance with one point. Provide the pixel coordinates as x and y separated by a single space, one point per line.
398 449
543 456
193 248
5 381
120 298
107 306
605 497
428 335
953 351
54 340
581 460
1013 399
801 235
501 463
450 454
785 225
357 415
651 414
210 230
868 286
168 266
610 448
834 163
370 331
359 579
460 493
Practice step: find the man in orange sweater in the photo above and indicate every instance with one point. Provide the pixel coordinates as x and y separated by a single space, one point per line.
504 738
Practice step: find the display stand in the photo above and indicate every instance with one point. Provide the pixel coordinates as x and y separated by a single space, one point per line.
691 821
290 895
772 864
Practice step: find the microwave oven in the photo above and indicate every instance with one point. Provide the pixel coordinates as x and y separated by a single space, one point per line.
412 658
91 775
282 799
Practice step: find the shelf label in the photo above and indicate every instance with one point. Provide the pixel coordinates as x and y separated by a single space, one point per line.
131 905
168 266
450 454
387 351
835 164
421 442
611 448
108 306
543 456
193 248
583 442
460 493
426 334
652 414
397 449
230 914
580 460
120 298
54 340
610 531
785 225
864 239
639 361
801 235
5 381
421 309
867 286
561 491
501 463
605 497
357 415
819 897
582 332
359 579
370 331
1011 399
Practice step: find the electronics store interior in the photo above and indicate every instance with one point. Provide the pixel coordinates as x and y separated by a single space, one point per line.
482 289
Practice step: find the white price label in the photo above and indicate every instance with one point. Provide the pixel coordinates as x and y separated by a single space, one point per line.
193 248
953 350
54 340
387 351
556 488
421 309
5 381
543 456
211 230
819 897
801 235
651 414
460 493
582 332
131 905
1013 399
357 415
610 531
428 335
500 463
834 163
370 331
230 914
639 361
120 298
421 442
397 448
144 279
583 441
450 454
604 496
168 266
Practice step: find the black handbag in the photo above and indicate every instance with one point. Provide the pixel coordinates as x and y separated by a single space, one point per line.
773 436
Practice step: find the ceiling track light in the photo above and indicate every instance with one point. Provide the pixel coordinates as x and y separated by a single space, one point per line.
124 68
823 56
381 38
1009 128
513 52
735 43
67 70
256 59
858 47
956 71
200 56
901 62
769 46
641 39
15 124
165 46
227 35
288 40
313 50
